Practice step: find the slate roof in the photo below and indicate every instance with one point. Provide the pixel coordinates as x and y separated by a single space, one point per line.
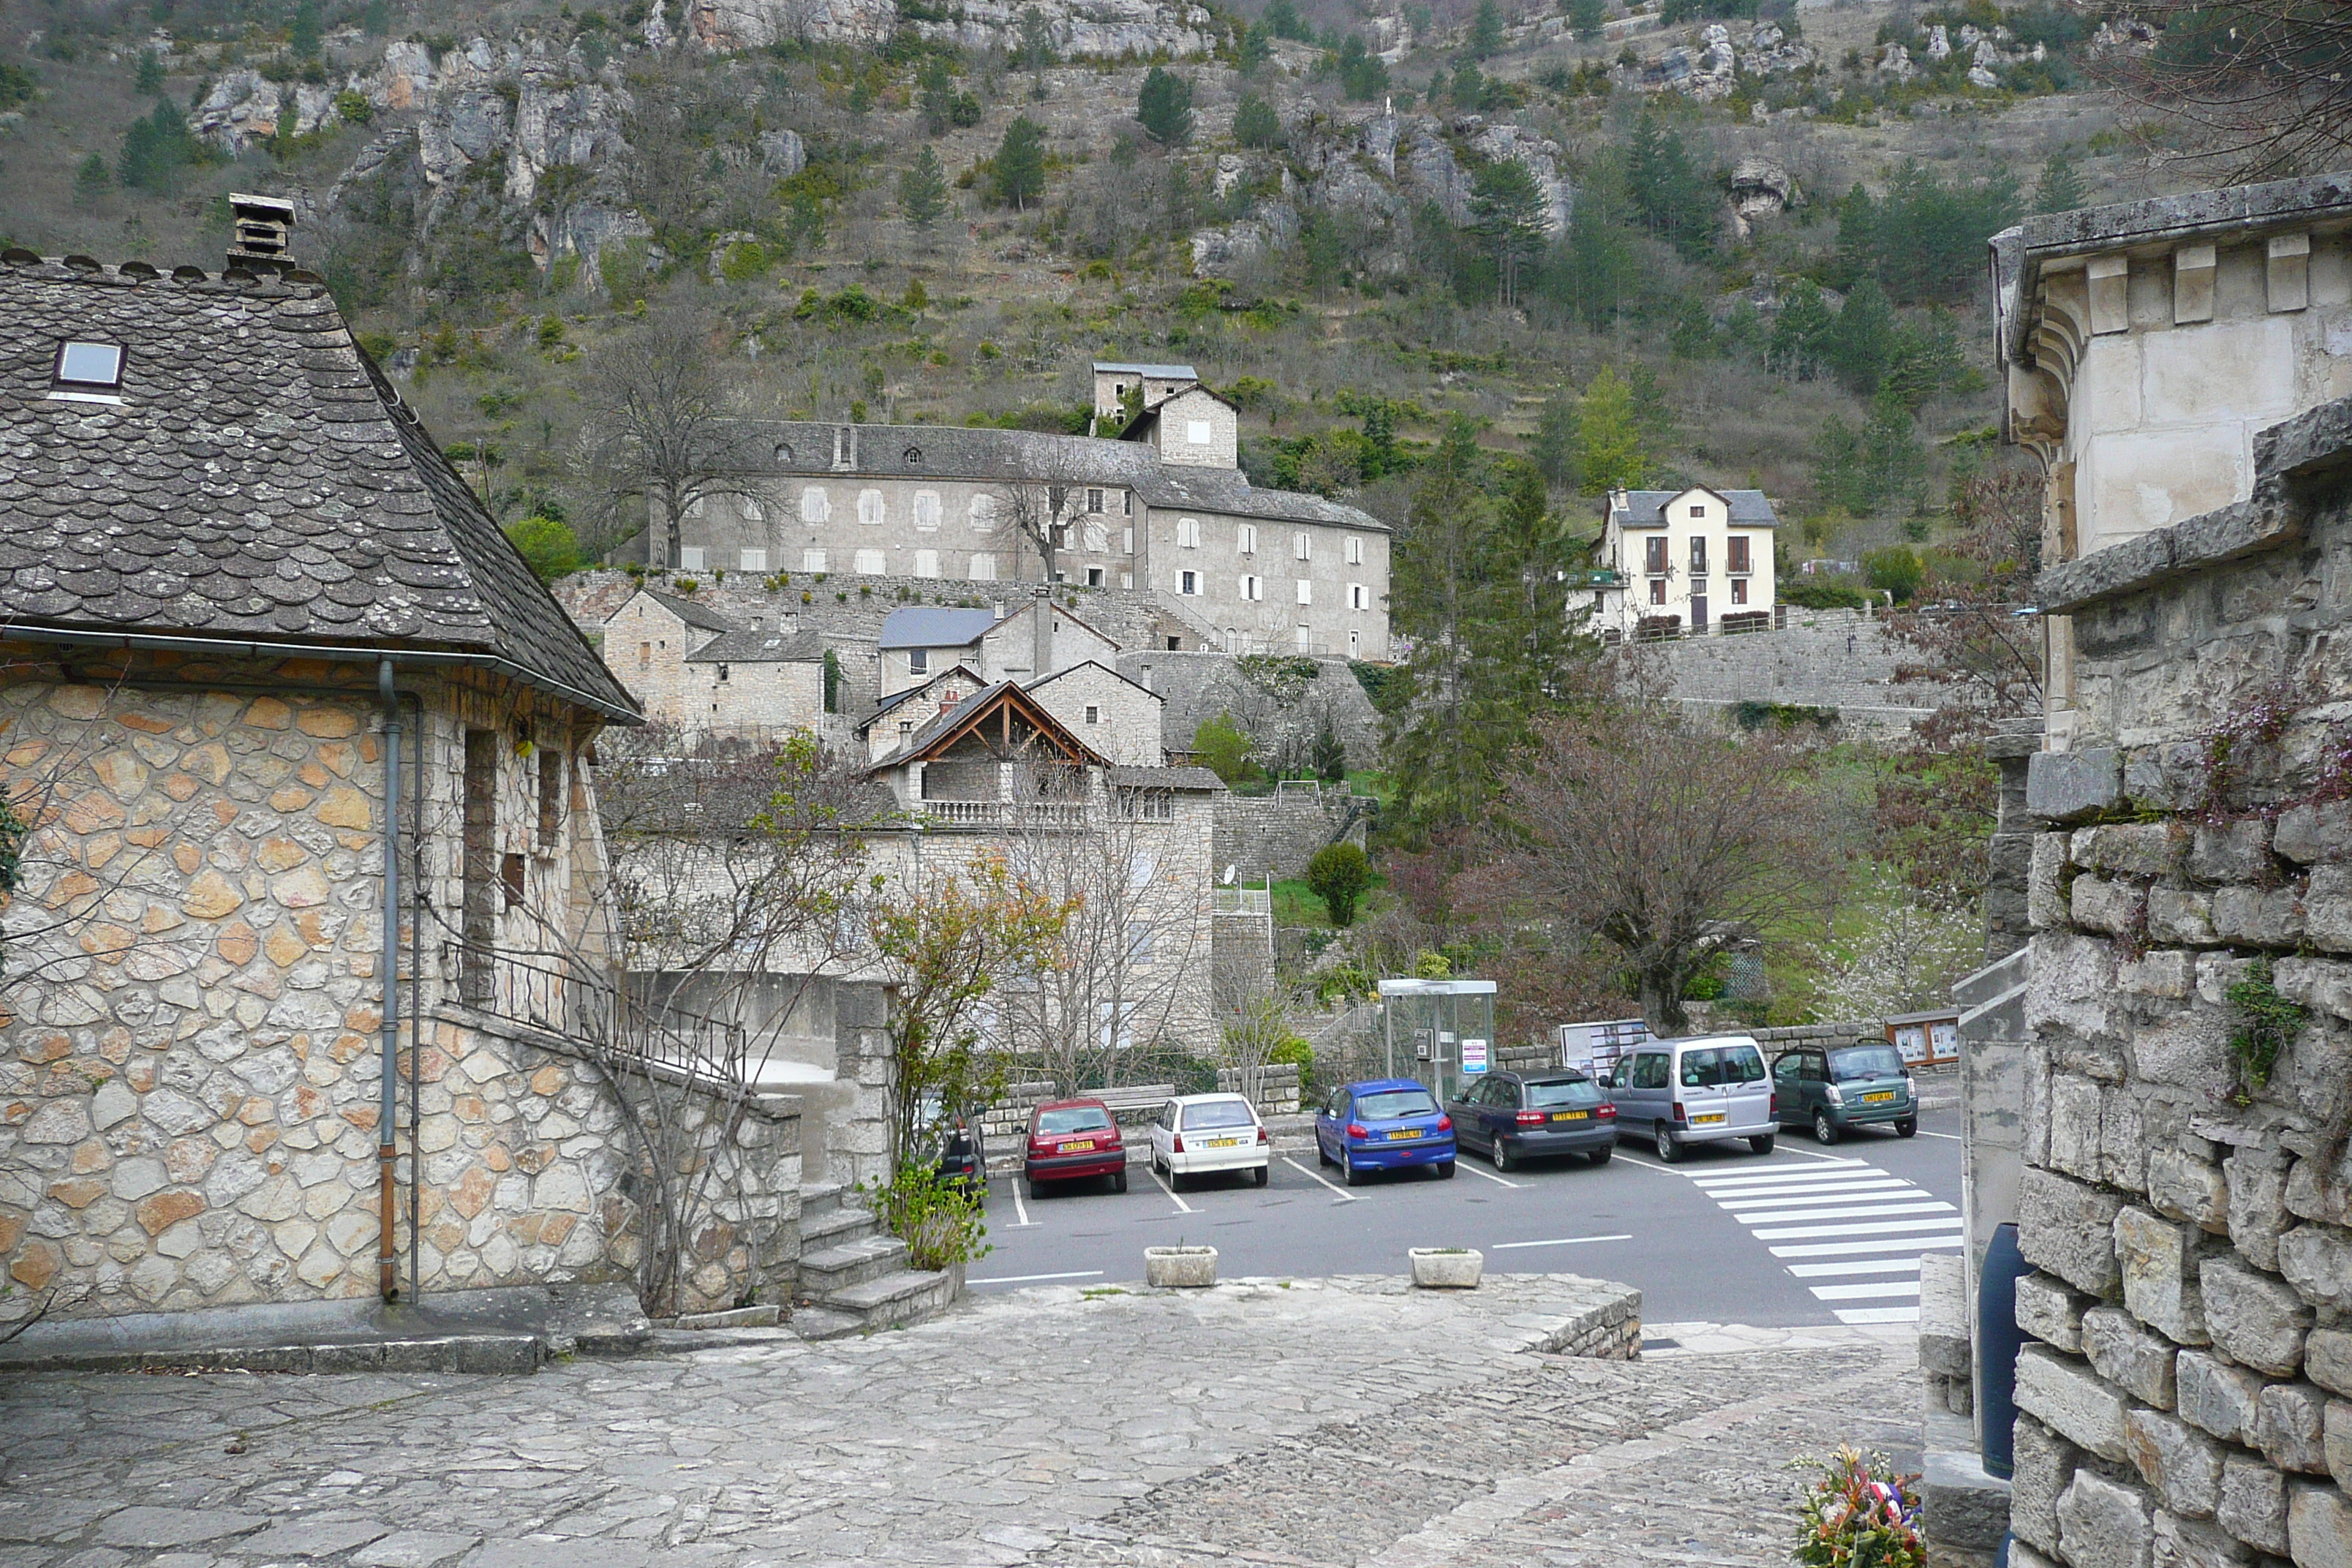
799 449
940 726
932 626
1156 371
1045 680
257 479
1165 778
892 701
687 610
1643 508
752 646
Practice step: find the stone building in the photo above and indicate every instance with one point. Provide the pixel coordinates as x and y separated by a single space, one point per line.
2148 342
2155 1082
691 666
1695 560
917 641
299 748
1231 566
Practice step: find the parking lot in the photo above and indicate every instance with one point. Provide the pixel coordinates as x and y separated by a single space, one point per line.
1803 1235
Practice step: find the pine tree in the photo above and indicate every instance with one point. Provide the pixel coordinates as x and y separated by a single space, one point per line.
1164 108
1586 16
1251 49
1469 89
92 180
1036 49
1282 20
376 19
1255 123
1020 163
150 74
2061 188
1485 31
1864 343
1509 208
156 149
1675 202
1801 332
1610 435
923 191
305 37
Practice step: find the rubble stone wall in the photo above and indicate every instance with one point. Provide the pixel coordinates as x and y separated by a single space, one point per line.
2189 1213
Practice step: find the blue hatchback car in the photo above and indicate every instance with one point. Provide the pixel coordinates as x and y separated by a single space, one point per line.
1383 1124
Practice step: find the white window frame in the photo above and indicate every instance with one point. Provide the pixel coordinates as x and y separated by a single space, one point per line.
1359 597
1188 533
927 563
873 564
752 560
1245 539
918 661
983 567
690 558
873 511
816 505
1252 588
1303 544
1355 550
1094 714
1306 592
1188 584
812 560
1098 536
1199 433
927 511
983 513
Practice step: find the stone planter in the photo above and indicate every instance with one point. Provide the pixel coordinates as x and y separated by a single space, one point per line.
1445 1268
1180 1267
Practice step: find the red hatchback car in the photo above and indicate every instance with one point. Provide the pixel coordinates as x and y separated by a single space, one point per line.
1072 1140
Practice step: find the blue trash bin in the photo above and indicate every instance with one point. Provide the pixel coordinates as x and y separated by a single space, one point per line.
1999 1339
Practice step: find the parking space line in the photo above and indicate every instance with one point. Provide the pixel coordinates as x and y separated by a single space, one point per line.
1019 1208
1488 1174
1033 1278
1662 1170
1181 1206
1953 1136
1563 1241
1832 1159
1317 1177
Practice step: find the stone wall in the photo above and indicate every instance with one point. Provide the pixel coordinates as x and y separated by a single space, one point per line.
189 1054
1200 686
1281 832
2188 1212
1839 660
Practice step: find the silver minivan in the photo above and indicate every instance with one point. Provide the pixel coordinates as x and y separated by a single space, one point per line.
1699 1090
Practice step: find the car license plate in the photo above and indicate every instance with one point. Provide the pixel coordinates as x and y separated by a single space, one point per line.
1710 1116
1569 1115
1407 1133
1084 1145
1223 1143
1874 1098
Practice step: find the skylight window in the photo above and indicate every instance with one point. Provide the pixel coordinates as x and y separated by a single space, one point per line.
86 365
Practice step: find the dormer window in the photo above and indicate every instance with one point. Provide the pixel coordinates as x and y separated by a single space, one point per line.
89 370
1697 512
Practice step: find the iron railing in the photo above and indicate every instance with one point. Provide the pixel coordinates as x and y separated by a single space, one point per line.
627 1017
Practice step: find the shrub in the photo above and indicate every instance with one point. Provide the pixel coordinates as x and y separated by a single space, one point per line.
940 1224
1226 750
548 546
1340 873
1896 570
1821 594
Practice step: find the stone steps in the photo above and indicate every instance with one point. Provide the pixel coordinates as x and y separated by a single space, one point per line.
904 1296
852 1263
836 1227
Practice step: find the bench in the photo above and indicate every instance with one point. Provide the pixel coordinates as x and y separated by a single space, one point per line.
1135 1101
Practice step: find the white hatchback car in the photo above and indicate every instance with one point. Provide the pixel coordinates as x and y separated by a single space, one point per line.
1199 1133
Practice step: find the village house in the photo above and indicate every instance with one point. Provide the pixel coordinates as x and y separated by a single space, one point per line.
1164 510
689 667
300 753
918 640
1693 561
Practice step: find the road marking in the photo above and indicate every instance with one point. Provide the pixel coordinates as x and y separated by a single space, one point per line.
1791 1197
1832 1159
1847 1248
1563 1241
1867 1292
1798 1174
1953 1136
1935 1206
1662 1170
1317 1177
1019 1208
1859 1266
1032 1279
1879 1315
1488 1174
1809 1232
1181 1206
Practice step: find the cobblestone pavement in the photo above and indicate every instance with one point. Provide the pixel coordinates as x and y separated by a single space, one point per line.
1337 1421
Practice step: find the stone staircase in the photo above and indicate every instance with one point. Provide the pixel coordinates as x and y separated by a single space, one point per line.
853 1278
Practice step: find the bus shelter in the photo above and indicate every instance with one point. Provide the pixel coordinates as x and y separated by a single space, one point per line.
1440 1032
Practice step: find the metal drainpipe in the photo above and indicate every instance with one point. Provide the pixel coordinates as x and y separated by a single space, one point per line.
387 1280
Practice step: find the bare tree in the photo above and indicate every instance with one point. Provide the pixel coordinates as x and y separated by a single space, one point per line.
659 434
1667 838
1125 970
2268 81
1038 512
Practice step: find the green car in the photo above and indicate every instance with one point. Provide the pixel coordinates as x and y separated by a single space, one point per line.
1843 1086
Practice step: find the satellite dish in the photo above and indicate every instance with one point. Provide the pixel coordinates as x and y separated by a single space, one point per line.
1229 876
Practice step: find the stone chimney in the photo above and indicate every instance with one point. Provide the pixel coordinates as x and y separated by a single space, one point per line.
260 236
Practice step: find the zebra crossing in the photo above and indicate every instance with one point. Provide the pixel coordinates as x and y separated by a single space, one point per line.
1853 1233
